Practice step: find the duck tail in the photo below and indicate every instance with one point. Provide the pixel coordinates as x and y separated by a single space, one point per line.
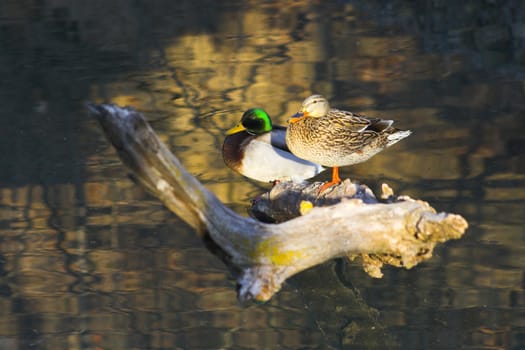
397 136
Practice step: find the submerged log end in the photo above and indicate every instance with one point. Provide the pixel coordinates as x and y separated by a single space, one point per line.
260 283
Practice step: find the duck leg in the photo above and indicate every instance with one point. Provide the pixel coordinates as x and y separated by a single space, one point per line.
335 180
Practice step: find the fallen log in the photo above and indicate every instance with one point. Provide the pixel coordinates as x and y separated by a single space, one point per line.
261 256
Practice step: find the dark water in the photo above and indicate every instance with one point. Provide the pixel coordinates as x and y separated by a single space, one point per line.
89 261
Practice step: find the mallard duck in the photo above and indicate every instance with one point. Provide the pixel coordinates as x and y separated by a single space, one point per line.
257 149
335 138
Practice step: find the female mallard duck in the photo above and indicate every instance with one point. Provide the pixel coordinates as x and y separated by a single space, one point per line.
335 138
257 150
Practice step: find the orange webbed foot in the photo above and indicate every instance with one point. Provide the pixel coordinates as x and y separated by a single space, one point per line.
326 186
335 180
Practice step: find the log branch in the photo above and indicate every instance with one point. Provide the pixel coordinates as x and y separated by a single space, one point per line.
401 232
288 200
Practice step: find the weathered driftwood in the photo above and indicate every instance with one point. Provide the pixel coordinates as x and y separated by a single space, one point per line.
288 200
262 255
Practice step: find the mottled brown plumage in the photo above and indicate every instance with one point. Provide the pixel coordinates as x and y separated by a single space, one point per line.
335 138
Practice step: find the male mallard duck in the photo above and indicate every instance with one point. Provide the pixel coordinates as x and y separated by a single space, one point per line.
257 150
335 138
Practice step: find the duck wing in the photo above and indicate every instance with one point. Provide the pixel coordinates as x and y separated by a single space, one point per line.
355 131
355 122
348 120
379 125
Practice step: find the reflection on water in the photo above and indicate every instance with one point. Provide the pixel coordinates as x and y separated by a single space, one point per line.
88 260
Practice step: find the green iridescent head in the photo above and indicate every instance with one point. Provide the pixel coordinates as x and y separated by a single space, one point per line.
254 121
